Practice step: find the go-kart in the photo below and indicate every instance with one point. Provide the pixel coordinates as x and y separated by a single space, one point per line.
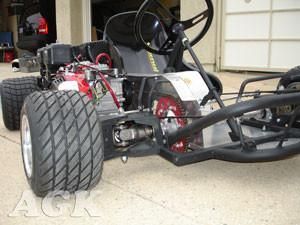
133 95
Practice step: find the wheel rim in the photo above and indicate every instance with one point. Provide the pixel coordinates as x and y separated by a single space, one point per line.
26 146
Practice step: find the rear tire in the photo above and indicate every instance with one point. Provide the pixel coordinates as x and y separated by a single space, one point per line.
13 93
65 139
292 76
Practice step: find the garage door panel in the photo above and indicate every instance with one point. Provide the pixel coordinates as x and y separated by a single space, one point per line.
285 54
286 4
261 35
283 25
246 26
243 54
247 5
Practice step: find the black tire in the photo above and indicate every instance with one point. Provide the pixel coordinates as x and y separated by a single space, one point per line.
292 76
66 140
13 93
290 81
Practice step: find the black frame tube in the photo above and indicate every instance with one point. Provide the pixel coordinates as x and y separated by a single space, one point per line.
234 152
185 41
253 80
233 111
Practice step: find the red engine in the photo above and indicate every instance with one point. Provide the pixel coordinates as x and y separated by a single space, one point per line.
84 76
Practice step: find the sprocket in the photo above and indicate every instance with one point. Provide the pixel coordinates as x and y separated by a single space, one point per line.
170 111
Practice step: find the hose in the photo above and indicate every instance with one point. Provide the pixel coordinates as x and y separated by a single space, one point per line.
112 93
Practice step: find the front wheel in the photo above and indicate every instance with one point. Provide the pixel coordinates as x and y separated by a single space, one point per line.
290 81
62 143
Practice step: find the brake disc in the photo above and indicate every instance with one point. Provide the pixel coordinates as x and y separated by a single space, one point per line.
170 111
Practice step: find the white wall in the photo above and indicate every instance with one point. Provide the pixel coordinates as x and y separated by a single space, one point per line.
207 48
261 35
69 21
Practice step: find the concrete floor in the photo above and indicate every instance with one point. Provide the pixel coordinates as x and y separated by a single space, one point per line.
153 191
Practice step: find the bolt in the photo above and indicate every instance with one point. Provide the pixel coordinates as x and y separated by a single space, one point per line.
124 159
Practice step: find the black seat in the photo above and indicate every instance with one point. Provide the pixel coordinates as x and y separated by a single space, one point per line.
93 49
120 31
90 50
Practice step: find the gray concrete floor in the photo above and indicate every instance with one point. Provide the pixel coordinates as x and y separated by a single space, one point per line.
153 191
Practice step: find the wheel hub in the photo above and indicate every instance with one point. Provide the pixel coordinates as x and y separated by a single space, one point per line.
170 113
26 146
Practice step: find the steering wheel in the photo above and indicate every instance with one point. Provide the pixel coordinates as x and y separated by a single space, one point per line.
168 46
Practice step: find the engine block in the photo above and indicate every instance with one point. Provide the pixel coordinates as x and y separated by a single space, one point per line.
106 105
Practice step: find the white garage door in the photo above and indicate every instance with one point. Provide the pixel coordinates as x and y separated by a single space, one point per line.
261 35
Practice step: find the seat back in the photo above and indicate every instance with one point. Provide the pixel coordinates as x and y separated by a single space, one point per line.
119 30
90 50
